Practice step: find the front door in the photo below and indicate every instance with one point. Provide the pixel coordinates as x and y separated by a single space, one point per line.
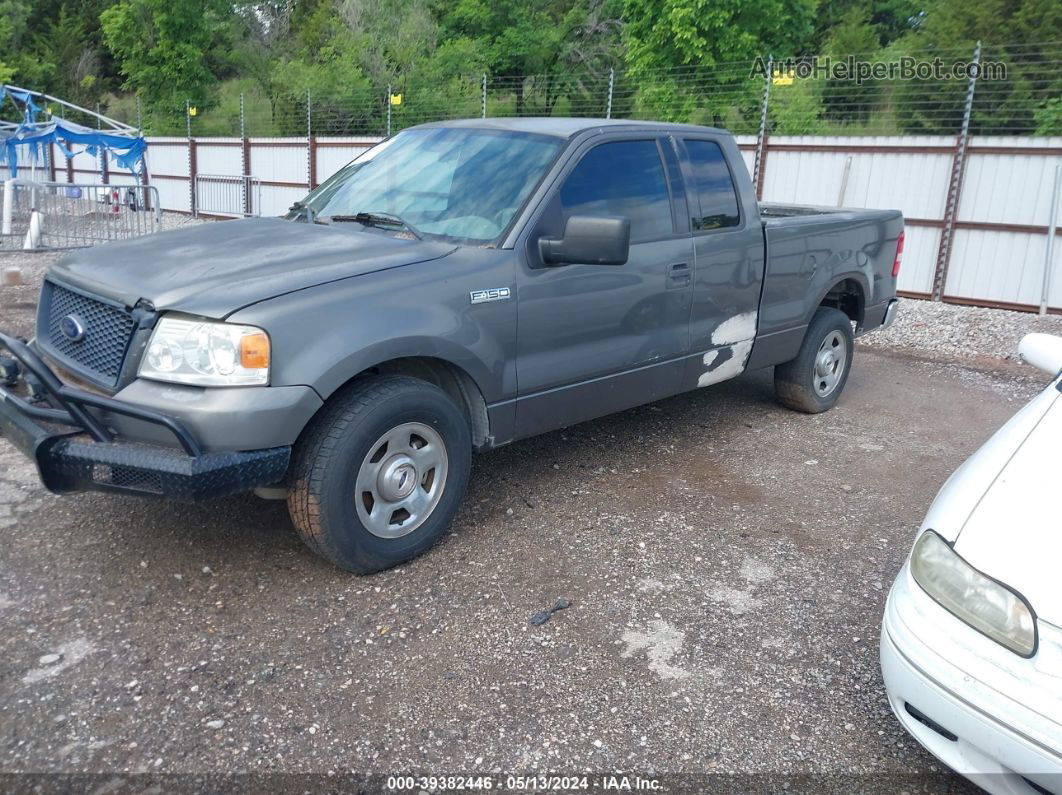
593 339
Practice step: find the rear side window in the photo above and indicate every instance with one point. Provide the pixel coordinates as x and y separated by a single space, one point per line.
714 187
622 178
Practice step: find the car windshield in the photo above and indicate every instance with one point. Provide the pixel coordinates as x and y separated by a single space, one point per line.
453 183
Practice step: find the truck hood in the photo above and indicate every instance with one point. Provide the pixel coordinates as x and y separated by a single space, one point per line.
214 269
1015 532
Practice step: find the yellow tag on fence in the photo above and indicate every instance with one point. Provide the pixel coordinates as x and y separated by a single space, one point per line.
780 78
396 99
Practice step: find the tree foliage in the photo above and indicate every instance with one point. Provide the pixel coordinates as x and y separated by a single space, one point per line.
685 60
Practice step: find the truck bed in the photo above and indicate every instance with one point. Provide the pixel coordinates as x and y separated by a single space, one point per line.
809 251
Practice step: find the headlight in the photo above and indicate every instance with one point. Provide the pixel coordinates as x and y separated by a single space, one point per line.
203 353
986 605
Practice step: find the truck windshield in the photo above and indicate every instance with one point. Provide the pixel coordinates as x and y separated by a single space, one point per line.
453 183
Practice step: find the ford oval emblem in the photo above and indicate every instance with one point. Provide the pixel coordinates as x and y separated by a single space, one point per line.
72 327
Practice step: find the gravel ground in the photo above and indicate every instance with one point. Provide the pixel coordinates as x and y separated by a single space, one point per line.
726 563
963 331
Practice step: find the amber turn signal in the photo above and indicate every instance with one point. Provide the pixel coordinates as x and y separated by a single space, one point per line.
254 350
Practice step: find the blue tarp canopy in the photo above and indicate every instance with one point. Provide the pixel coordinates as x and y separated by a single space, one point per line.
128 151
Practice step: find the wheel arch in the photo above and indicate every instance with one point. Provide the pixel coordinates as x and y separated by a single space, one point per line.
454 379
847 293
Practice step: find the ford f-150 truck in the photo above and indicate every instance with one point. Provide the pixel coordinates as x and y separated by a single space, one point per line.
457 287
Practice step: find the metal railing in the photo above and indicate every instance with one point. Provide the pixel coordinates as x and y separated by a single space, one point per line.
228 194
37 216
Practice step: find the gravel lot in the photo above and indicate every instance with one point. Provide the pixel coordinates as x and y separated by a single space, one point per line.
726 562
962 331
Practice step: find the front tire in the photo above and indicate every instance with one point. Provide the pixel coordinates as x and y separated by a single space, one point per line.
378 476
814 380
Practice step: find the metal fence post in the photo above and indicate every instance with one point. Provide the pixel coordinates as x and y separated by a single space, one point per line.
1049 248
388 110
958 171
245 160
139 116
611 83
311 146
483 101
192 166
101 156
760 165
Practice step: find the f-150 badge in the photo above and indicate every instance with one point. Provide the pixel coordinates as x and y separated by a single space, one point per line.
492 294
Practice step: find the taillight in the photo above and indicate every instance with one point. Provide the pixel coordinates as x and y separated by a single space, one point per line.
899 255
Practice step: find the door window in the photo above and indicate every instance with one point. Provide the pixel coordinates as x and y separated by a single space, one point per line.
622 178
714 187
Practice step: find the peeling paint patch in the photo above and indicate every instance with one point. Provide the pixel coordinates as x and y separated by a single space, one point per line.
736 329
732 367
661 642
70 655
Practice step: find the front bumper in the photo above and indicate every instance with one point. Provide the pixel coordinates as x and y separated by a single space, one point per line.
998 741
60 429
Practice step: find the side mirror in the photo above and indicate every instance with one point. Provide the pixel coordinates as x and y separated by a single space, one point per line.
1043 351
590 239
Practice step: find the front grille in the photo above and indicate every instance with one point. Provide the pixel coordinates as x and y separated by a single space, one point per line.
108 327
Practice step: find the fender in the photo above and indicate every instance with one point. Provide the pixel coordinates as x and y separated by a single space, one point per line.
383 351
858 277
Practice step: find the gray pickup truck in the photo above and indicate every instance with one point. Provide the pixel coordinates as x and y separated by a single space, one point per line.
459 286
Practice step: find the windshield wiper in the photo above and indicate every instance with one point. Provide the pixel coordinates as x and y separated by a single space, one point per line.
379 219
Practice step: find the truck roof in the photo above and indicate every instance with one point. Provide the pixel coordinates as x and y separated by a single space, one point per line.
564 127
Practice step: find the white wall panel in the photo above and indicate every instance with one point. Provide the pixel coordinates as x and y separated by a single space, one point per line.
284 160
997 266
219 156
276 200
173 194
334 153
919 259
167 158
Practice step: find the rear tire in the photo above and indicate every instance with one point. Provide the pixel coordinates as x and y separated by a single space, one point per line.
378 476
813 381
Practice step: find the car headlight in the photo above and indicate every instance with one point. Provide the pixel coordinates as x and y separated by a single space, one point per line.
988 606
204 353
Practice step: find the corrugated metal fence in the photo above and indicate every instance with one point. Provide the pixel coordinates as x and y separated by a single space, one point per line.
1002 202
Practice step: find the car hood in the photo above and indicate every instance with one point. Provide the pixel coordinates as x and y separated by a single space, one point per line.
214 269
1014 534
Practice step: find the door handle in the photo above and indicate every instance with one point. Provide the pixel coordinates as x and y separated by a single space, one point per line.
678 276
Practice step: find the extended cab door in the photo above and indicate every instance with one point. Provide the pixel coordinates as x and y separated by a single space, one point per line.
728 258
593 339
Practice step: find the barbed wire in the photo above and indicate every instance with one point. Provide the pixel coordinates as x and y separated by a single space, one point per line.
1026 100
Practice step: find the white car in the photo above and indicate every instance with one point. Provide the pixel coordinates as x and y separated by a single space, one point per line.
971 642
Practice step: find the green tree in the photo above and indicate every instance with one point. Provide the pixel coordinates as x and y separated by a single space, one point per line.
166 48
949 30
717 40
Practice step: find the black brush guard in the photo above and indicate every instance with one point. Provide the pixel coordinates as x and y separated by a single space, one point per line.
54 425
